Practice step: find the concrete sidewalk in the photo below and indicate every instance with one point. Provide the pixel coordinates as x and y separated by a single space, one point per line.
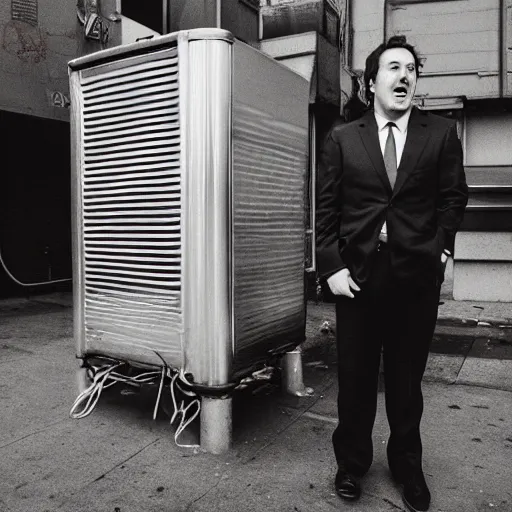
119 460
472 343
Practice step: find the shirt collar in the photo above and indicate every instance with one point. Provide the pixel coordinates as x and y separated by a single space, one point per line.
401 123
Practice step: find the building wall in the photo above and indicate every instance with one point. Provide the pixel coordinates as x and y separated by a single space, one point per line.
368 29
189 14
459 40
37 40
240 17
34 56
289 17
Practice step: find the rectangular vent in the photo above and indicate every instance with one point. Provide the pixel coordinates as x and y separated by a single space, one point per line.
132 206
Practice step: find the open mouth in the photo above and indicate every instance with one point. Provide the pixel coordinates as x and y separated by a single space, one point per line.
400 91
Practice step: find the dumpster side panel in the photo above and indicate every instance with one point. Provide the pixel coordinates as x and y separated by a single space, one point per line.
270 141
127 250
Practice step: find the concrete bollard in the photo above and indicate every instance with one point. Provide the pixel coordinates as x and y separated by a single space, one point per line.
216 424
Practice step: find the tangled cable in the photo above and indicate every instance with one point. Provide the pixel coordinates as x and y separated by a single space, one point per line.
104 376
181 410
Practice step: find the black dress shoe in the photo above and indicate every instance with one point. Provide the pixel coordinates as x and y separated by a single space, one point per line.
415 493
347 486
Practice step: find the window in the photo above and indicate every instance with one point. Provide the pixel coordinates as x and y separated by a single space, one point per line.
148 13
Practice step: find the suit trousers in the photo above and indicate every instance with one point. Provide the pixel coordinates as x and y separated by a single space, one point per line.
398 321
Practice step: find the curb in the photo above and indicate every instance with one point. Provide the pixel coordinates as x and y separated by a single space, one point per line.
457 321
475 322
495 322
454 336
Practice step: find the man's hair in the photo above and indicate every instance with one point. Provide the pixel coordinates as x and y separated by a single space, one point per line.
372 61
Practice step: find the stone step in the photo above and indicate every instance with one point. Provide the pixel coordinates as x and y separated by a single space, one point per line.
489 177
478 245
482 281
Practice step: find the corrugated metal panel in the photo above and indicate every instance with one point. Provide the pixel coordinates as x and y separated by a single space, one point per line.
268 231
460 44
270 144
132 210
24 10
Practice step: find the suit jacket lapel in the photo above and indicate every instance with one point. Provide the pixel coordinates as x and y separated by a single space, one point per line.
368 131
417 137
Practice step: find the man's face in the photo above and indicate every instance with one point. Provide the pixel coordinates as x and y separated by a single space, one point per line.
395 83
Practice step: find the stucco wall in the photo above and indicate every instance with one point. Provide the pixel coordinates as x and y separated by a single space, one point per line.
34 56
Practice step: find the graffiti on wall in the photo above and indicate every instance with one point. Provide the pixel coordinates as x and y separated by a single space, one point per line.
58 99
28 43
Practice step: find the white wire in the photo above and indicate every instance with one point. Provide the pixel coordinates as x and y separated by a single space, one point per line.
184 423
92 394
87 399
160 387
41 283
183 378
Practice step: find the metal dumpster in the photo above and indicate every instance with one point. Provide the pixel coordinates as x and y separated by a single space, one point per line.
189 156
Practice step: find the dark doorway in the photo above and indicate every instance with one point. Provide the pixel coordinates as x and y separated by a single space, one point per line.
35 212
149 13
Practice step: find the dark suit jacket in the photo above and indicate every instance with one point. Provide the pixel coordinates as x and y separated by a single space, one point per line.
423 212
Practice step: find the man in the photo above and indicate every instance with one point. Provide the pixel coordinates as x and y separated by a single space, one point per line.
391 196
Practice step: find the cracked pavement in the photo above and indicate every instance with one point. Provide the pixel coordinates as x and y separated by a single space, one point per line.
119 460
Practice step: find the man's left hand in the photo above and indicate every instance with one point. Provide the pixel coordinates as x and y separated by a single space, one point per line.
444 261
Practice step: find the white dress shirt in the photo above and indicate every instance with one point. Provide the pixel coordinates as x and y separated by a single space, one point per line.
400 134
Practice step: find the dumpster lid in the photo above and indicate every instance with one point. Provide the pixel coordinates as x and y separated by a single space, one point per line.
148 45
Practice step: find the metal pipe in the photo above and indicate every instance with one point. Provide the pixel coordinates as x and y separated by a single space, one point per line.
502 48
216 424
218 14
166 16
82 380
76 127
312 190
207 209
385 26
462 72
293 381
349 40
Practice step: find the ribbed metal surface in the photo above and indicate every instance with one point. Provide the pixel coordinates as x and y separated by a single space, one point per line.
268 186
132 209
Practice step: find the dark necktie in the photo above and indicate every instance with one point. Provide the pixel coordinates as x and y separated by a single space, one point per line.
390 155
